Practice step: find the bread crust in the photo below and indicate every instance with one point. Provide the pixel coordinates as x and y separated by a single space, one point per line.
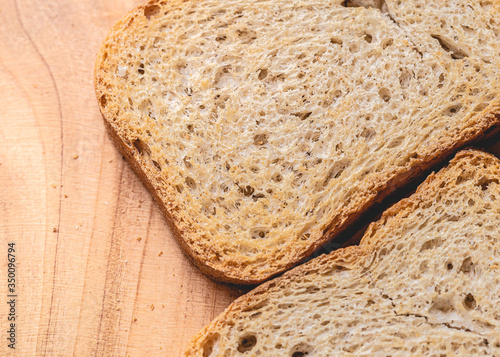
376 189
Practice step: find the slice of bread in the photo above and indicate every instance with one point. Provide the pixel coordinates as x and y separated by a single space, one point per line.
264 128
425 281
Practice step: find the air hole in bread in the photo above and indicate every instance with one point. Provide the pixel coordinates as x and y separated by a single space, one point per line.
485 182
257 196
220 101
145 106
450 47
336 41
190 182
368 134
302 115
262 73
257 306
441 81
467 266
259 233
385 94
381 276
469 302
431 244
396 142
404 79
187 163
247 190
336 170
157 165
141 147
361 3
442 304
103 101
368 38
424 266
247 343
246 35
452 110
277 177
158 41
312 289
387 43
260 139
151 10
223 76
480 107
210 345
487 5
449 266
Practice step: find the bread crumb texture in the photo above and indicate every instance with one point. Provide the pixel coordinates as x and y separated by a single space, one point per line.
264 127
423 282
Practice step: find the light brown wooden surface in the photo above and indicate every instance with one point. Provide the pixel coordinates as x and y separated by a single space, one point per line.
86 285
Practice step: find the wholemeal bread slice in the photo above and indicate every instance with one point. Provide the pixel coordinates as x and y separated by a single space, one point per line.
425 281
264 128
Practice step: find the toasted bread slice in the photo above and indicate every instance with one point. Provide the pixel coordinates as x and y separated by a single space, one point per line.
264 128
425 281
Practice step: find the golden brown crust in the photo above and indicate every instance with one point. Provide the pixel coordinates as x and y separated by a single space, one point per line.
375 190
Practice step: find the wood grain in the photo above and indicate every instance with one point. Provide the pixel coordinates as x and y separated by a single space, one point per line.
86 284
98 271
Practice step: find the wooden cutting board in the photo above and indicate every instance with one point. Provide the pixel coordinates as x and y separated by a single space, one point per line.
97 271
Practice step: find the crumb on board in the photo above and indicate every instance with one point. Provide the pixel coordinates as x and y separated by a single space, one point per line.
75 157
152 307
139 239
161 253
